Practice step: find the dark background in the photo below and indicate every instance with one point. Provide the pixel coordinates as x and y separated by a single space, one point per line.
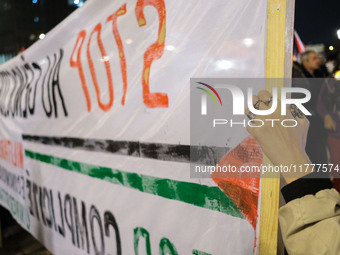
22 21
317 21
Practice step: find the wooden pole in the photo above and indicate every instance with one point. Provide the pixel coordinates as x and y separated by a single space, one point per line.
275 68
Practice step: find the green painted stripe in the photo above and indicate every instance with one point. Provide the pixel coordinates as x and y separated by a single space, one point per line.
208 94
211 198
196 252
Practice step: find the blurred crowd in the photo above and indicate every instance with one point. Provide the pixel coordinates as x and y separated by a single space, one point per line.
321 76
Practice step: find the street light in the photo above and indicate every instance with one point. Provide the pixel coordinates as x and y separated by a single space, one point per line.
338 33
337 75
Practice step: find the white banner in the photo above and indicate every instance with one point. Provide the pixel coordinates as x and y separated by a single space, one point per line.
95 128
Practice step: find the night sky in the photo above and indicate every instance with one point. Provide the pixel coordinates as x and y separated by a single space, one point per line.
317 21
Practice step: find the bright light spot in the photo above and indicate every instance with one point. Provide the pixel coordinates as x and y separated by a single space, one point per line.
36 19
338 33
34 1
41 36
105 59
337 75
331 47
170 47
78 3
248 42
128 41
224 64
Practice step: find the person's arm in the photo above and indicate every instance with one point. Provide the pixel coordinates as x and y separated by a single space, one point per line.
310 221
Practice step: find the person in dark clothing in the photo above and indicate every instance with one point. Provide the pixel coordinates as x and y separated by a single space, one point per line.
304 77
329 108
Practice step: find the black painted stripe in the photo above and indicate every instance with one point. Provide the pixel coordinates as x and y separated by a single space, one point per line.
159 151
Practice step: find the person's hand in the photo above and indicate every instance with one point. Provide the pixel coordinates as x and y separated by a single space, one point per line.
329 123
283 145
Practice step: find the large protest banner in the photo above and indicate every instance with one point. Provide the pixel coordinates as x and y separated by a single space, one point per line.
94 133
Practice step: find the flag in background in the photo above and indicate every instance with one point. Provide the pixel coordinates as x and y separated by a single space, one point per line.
299 46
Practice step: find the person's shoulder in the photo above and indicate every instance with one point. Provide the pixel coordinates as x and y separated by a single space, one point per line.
297 71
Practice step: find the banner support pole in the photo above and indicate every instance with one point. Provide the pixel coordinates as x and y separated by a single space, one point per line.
275 68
